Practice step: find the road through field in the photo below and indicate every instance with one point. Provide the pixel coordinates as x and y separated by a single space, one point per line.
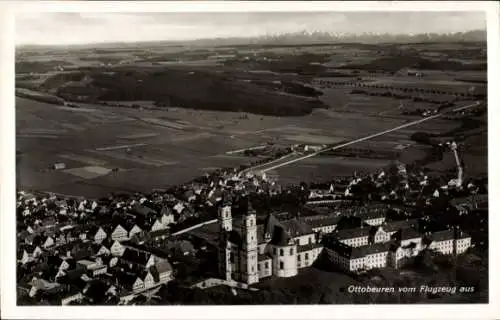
406 125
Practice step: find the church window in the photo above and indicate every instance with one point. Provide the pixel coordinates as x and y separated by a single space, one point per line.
281 265
307 256
281 252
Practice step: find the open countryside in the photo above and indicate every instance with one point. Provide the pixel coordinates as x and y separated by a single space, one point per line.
268 170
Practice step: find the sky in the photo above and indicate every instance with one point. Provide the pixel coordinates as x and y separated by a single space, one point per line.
84 28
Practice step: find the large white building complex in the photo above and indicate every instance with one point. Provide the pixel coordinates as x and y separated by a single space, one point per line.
249 251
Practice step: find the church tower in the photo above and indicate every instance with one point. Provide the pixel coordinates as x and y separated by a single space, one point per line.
225 216
249 250
226 226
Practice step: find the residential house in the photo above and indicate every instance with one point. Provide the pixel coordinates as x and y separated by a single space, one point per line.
73 295
157 225
134 257
162 271
120 233
117 249
94 268
30 253
135 229
41 285
60 239
48 242
103 250
129 282
149 280
99 235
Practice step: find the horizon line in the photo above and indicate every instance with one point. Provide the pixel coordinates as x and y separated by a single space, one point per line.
309 33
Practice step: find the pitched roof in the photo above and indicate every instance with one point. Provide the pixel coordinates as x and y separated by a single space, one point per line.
296 227
281 232
270 223
83 251
309 247
324 221
401 224
143 210
372 210
343 249
280 237
135 256
352 233
470 200
357 252
376 248
126 280
407 234
162 266
462 235
442 235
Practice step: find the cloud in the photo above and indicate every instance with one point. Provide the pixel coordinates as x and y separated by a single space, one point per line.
89 27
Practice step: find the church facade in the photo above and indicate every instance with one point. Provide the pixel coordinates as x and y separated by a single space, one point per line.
249 252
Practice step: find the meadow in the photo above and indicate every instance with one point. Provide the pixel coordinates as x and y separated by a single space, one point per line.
140 124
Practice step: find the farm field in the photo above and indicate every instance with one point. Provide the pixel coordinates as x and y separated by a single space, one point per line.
135 127
148 154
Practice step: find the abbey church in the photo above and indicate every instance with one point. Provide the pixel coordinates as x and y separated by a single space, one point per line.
249 252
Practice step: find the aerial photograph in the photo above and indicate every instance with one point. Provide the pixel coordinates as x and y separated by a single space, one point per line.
251 158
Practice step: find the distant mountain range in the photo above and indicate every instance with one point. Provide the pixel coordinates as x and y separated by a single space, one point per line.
305 38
